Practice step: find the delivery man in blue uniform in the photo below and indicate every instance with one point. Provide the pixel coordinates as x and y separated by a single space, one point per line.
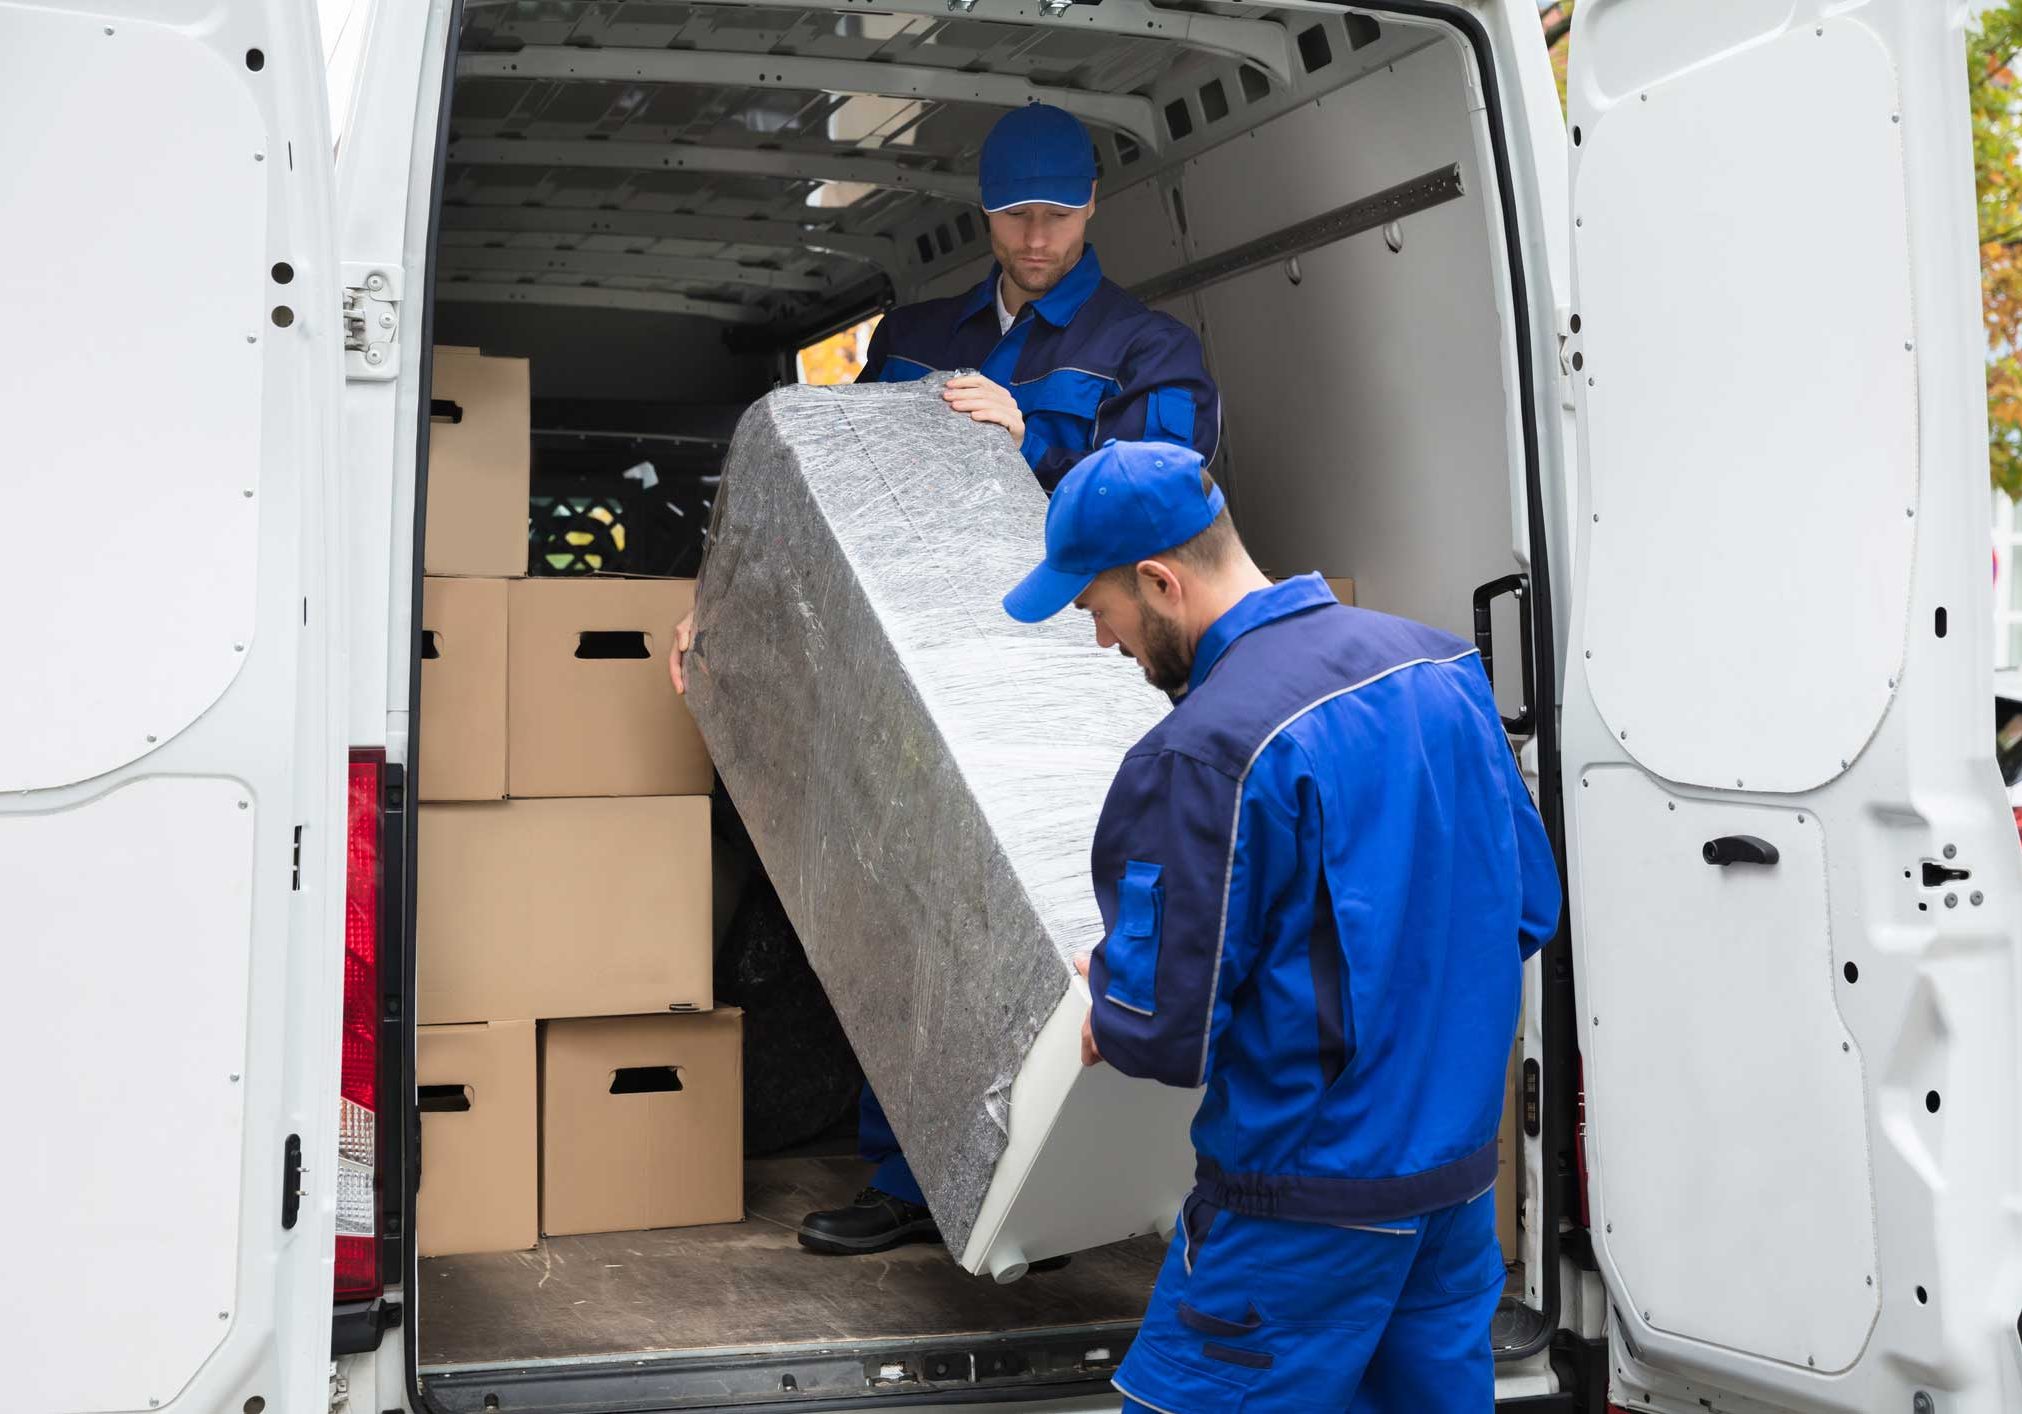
1318 877
1063 359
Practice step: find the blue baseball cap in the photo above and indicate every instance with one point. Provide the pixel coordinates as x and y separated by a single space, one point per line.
1122 503
1037 153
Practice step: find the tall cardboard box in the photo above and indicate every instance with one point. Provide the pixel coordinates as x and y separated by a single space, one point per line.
1510 1151
480 1154
540 908
1343 587
642 1122
593 711
479 465
463 690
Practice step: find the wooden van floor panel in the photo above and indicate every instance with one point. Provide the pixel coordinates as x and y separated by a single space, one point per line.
750 1284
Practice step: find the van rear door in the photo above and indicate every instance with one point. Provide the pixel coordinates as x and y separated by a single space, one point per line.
1794 874
171 780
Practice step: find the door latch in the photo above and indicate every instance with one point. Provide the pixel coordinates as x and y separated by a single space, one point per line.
371 322
1739 849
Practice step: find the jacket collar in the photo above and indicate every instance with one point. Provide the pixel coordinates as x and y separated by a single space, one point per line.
1254 610
1057 306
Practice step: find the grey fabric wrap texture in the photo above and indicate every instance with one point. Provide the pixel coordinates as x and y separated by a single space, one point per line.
920 774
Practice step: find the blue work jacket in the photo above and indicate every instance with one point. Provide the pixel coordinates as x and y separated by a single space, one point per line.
1085 363
1319 877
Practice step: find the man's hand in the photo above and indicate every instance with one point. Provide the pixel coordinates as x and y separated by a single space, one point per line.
684 639
1089 1054
986 402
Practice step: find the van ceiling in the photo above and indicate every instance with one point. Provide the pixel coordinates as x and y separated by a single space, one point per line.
777 162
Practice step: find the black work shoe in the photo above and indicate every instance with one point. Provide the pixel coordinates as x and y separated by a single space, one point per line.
875 1222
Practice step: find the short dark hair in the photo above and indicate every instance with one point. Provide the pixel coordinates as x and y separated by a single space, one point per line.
1207 551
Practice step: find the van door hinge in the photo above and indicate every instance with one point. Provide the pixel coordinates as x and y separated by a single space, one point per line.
371 322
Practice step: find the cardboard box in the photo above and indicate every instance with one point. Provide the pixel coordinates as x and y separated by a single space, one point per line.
593 711
642 1122
540 908
478 465
1344 588
463 690
1511 1154
480 1155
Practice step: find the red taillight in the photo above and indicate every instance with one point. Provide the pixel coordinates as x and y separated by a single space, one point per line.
358 1106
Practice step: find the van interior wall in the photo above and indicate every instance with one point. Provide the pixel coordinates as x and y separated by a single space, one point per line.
1366 415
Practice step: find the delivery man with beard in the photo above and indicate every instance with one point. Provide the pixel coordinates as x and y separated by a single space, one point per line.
1064 359
1319 877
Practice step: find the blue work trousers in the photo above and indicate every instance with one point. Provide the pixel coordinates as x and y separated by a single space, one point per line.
876 1142
1268 1316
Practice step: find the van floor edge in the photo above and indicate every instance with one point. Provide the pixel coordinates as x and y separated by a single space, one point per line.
737 1286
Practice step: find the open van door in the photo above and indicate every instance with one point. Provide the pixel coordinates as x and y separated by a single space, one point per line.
172 821
1795 879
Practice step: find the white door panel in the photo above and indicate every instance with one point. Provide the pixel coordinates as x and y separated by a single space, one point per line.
1737 399
171 806
137 1203
141 548
1802 1076
1750 946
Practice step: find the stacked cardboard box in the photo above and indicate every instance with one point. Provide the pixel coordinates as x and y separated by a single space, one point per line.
568 1045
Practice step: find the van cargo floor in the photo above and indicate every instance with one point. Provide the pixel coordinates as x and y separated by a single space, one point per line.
749 1284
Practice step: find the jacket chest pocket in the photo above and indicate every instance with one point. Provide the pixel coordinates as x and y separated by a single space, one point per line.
1068 392
1132 951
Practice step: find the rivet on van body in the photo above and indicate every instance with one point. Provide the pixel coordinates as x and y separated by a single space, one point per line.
235 1078
245 805
1978 898
247 493
1951 851
1848 1046
1670 805
238 647
1951 900
152 737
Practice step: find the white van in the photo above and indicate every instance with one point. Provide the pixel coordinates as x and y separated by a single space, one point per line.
1678 405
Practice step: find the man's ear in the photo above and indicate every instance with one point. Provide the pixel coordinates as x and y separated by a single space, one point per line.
1157 580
